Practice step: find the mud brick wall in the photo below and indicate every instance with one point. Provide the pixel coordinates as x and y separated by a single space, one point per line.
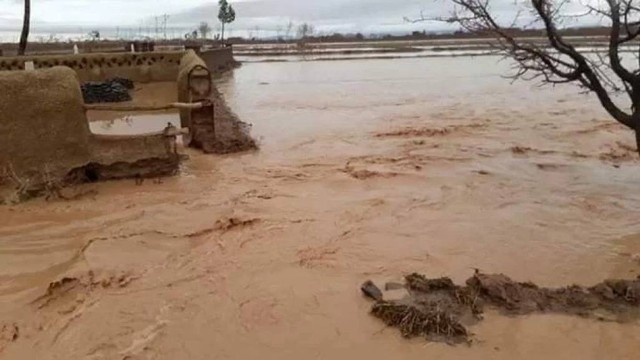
230 134
44 130
42 122
219 60
139 67
188 62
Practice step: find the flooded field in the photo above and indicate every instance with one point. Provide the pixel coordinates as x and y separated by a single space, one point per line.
368 169
286 52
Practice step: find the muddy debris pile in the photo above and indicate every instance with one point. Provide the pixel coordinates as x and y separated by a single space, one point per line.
110 91
232 135
439 310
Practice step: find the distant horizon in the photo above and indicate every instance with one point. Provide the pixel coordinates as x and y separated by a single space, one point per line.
73 19
174 32
178 33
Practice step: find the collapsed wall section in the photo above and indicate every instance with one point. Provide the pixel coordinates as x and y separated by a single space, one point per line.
121 157
192 66
226 134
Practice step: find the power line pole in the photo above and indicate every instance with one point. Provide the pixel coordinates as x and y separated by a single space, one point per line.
155 17
165 17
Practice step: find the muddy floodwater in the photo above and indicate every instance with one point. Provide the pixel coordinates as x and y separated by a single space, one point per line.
134 124
368 169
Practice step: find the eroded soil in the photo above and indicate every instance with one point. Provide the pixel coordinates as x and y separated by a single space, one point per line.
437 309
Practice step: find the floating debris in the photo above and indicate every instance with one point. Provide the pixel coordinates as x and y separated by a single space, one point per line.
439 310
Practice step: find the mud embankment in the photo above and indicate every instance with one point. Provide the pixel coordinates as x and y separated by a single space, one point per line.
439 310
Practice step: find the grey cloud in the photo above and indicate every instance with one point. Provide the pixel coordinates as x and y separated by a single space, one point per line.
358 15
366 16
326 15
316 10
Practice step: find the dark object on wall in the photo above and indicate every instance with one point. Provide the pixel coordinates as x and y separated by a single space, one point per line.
123 81
105 92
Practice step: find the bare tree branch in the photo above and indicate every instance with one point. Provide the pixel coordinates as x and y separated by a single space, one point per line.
555 59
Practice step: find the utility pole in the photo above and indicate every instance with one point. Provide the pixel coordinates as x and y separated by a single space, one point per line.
165 17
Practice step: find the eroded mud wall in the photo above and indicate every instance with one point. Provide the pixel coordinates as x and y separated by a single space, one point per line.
139 67
188 62
45 136
120 157
42 122
230 134
219 60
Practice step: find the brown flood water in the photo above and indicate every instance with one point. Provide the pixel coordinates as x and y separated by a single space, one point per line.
125 123
369 169
134 124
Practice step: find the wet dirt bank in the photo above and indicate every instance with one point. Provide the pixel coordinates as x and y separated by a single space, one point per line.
438 310
366 171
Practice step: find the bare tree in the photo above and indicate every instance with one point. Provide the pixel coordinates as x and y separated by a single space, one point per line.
288 30
557 58
305 30
204 29
258 31
22 48
94 35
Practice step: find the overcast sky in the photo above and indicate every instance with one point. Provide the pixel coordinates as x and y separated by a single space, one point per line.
367 16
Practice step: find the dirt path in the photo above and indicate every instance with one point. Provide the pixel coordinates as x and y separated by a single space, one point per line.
364 173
